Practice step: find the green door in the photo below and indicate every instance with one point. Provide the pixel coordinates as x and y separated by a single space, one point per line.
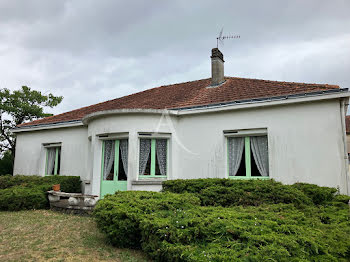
114 166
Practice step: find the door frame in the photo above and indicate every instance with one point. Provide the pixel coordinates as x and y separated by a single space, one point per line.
111 186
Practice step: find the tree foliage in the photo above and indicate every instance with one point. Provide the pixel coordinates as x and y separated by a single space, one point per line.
20 106
6 166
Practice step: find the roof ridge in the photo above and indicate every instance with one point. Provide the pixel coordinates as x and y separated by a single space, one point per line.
280 81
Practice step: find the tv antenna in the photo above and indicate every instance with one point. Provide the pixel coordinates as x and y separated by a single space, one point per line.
221 38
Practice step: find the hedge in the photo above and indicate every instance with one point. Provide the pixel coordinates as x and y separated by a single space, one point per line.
265 233
69 184
229 192
29 192
229 220
119 215
19 198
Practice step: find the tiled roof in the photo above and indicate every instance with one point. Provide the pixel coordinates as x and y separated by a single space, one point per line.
347 124
188 94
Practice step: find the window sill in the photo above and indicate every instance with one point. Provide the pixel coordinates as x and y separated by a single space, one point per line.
249 178
147 182
152 177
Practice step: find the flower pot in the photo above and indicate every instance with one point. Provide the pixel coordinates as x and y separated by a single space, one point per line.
56 187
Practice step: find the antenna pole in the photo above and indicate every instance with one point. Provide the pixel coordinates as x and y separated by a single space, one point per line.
221 38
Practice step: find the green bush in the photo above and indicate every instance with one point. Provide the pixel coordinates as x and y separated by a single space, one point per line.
20 198
69 184
318 195
273 232
29 192
228 192
239 220
342 198
119 215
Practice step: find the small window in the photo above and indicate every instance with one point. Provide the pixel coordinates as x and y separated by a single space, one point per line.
53 160
115 160
153 158
248 157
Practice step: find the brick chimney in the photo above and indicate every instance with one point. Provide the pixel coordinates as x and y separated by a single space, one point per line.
217 67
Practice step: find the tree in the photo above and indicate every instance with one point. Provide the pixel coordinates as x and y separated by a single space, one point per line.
18 107
6 165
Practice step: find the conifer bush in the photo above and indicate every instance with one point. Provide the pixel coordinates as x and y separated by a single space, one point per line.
29 192
120 215
230 220
271 232
229 192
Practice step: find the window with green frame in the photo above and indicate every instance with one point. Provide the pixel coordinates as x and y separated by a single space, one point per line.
153 158
53 161
247 157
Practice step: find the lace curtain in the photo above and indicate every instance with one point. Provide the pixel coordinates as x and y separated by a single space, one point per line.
260 153
124 154
145 149
161 150
235 152
108 158
51 155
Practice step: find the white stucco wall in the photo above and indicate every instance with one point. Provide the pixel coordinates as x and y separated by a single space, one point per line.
31 154
305 144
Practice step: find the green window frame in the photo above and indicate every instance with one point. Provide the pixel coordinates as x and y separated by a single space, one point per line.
57 162
247 159
153 159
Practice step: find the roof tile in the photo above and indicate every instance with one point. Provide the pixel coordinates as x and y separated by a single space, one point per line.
188 94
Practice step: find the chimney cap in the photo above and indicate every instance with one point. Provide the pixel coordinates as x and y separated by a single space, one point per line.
215 52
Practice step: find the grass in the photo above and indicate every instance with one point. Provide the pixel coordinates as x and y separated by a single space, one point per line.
44 235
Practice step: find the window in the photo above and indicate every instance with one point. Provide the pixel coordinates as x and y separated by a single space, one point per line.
53 161
248 157
153 157
115 160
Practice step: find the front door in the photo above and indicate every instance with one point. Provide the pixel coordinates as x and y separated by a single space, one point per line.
114 168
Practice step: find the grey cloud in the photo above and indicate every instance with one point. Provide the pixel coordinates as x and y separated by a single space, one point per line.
90 51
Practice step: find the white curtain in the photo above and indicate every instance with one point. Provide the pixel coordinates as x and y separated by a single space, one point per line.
161 149
124 154
145 149
260 153
108 158
51 156
235 152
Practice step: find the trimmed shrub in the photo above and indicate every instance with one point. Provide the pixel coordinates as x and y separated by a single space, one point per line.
69 184
318 195
228 192
243 221
275 232
342 198
29 192
19 198
120 215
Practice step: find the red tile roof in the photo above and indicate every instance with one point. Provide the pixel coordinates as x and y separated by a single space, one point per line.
347 124
188 94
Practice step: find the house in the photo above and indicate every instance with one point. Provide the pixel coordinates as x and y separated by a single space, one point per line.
221 127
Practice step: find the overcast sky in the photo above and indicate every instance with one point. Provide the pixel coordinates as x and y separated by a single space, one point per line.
92 51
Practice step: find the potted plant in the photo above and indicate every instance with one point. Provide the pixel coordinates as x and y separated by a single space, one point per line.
56 187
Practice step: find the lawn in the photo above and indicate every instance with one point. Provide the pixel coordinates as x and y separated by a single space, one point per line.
44 235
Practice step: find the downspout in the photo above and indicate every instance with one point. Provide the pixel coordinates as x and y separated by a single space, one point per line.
343 106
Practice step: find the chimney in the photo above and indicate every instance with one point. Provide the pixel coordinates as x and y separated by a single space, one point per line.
217 67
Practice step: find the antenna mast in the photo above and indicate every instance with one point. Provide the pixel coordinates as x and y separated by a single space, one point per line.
221 38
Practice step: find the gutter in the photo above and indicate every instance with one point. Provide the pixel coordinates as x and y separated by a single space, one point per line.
265 99
63 124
